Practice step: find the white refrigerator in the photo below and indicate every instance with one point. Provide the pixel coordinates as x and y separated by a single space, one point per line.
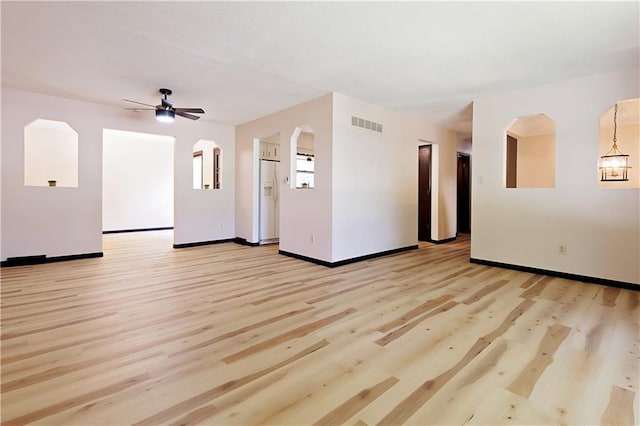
269 201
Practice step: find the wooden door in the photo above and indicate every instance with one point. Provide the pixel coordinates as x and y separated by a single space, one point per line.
424 193
464 192
512 162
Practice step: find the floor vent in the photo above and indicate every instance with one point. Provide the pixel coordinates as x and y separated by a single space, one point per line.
366 124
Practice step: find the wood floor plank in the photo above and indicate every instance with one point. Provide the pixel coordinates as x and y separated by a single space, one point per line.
237 335
609 296
292 334
420 396
396 334
552 339
459 399
536 289
484 291
353 405
620 408
424 307
96 394
217 391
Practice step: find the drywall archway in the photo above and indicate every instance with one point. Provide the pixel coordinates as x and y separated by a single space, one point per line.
50 154
302 158
627 140
530 152
207 165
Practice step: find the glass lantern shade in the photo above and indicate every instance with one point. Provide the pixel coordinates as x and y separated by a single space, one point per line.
614 167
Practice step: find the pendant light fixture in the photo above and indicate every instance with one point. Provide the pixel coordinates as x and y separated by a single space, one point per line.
614 164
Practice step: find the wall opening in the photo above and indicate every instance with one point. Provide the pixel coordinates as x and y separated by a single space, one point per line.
207 165
271 176
137 181
463 193
303 158
50 154
197 170
424 192
530 152
627 139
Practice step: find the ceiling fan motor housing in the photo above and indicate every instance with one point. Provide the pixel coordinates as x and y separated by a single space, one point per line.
166 111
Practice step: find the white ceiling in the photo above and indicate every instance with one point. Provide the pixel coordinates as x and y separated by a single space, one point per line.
243 60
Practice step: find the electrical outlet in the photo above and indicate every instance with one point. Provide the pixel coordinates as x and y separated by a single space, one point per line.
562 249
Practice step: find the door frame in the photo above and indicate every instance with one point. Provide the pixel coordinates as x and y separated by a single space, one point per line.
466 158
425 153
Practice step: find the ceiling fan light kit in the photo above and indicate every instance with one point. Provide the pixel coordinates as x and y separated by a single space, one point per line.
166 112
165 115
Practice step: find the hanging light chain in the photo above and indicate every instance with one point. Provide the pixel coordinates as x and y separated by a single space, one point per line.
615 124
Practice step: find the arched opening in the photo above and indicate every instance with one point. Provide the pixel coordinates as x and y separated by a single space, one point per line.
50 154
531 152
207 165
303 159
624 127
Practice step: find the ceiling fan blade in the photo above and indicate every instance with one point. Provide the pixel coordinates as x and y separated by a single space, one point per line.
195 110
185 115
136 102
140 109
167 103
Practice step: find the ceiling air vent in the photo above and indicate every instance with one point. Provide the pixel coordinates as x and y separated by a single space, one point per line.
366 124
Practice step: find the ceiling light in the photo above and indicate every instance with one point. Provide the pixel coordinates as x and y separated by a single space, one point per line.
614 164
165 115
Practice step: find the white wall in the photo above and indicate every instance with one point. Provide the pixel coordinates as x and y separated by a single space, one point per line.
303 213
205 215
600 227
365 199
376 201
375 179
447 185
464 144
137 180
536 164
67 221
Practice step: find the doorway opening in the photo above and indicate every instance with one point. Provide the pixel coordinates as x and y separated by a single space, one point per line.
464 193
137 182
424 192
269 199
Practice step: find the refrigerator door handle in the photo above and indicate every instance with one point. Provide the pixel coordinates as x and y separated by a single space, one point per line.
275 187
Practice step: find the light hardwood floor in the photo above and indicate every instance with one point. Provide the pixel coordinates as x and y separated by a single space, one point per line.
227 334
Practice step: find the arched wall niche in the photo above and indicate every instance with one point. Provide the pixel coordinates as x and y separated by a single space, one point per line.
50 154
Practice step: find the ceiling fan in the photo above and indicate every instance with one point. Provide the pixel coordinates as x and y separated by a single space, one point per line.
166 112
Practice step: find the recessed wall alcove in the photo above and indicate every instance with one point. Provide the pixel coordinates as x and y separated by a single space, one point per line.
531 152
303 158
50 154
627 135
207 165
